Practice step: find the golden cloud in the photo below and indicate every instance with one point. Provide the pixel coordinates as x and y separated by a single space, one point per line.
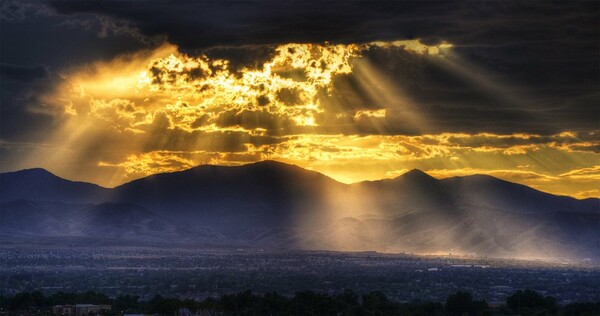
186 88
352 158
162 110
595 193
144 164
591 173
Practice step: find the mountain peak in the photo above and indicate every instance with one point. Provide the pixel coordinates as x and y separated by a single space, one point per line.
416 174
38 184
32 171
273 163
416 171
259 166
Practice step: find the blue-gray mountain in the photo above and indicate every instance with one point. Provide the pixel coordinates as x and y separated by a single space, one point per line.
275 205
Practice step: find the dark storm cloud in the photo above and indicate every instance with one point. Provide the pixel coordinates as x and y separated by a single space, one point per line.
538 94
34 33
201 24
244 56
37 48
25 115
22 73
14 10
547 51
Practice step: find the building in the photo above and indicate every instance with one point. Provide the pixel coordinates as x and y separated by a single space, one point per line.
64 310
80 310
184 312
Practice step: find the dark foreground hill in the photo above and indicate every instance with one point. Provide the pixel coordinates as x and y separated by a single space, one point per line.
274 205
525 302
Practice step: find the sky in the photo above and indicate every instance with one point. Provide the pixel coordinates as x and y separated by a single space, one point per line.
111 91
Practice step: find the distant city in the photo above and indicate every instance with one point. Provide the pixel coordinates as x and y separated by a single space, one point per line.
198 275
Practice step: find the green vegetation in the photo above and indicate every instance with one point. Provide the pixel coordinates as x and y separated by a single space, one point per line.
526 302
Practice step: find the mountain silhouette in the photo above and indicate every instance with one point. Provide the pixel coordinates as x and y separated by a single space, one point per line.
494 192
239 200
41 185
272 204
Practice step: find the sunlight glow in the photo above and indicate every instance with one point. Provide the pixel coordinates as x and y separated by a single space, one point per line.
161 110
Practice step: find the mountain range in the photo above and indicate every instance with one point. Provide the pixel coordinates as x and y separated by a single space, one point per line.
279 206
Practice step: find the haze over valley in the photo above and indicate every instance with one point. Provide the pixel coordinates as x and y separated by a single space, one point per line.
271 205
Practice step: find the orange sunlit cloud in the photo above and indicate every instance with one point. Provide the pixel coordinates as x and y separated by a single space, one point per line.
162 110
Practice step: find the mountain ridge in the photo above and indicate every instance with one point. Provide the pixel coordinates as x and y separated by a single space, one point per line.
272 204
45 185
412 172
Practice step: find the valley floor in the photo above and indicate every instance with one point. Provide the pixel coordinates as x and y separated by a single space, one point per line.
200 274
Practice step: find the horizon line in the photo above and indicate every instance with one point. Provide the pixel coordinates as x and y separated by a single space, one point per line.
407 171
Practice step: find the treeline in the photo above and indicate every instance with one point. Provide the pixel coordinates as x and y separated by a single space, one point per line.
525 302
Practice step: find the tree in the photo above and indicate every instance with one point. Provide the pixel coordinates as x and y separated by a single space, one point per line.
459 303
376 303
582 309
127 304
462 303
531 302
